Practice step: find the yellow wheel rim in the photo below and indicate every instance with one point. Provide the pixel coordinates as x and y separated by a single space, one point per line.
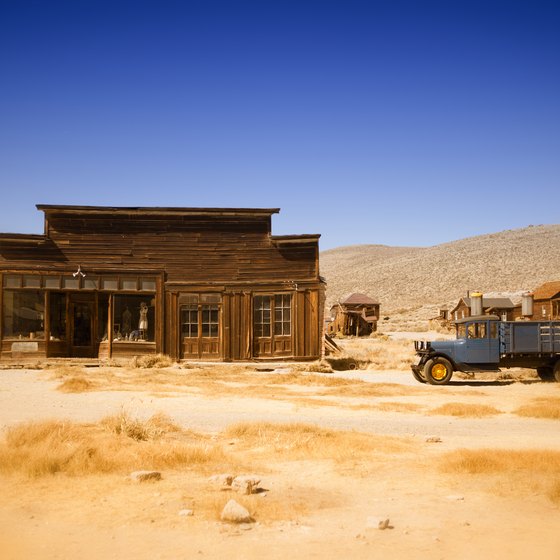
439 371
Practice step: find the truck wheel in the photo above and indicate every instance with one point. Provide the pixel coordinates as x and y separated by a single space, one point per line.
557 371
438 371
545 373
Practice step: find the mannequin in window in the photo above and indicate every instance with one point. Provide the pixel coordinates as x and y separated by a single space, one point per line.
143 323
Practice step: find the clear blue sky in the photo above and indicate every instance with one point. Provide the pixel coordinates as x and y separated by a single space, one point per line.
367 122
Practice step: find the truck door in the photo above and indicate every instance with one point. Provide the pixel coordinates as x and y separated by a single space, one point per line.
482 343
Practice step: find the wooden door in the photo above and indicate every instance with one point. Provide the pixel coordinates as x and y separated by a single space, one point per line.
81 321
272 325
200 331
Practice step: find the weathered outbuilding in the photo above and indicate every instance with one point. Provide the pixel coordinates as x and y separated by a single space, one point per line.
503 307
194 283
356 315
546 301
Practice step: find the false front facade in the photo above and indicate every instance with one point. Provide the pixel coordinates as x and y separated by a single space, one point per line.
193 283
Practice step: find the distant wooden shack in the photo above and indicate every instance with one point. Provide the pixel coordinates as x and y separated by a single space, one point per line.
546 301
503 307
193 283
357 315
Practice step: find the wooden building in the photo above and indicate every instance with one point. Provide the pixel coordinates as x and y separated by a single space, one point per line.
503 307
356 315
193 283
546 302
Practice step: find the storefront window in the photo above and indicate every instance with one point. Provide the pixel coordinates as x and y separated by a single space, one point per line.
71 283
133 318
32 281
90 283
129 284
12 281
52 282
57 316
102 316
148 284
23 314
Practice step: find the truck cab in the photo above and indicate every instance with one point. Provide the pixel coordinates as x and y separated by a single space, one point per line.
476 348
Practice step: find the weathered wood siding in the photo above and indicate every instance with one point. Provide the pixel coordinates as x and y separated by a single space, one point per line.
191 248
186 252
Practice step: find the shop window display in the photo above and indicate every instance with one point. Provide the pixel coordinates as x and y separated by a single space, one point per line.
133 318
23 314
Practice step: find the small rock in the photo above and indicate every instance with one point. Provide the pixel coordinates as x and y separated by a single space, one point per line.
433 439
145 476
247 484
186 512
380 523
383 524
235 513
222 480
454 498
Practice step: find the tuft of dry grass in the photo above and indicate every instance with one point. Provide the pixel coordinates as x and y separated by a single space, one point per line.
544 407
38 449
75 385
322 366
521 471
151 361
153 428
465 410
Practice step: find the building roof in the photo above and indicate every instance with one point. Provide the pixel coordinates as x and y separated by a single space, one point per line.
358 299
488 303
22 238
155 210
547 290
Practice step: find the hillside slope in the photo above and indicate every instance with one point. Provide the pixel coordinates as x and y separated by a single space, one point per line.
410 277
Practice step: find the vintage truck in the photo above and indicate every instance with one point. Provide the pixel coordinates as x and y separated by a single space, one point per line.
486 343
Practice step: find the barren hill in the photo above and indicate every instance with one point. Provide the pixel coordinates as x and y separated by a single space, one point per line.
411 277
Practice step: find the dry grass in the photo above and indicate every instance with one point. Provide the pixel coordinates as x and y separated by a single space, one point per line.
304 441
523 472
465 410
378 352
544 407
322 366
117 444
151 361
76 385
397 407
154 428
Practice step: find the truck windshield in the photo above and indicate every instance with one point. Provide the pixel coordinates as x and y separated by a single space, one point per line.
462 331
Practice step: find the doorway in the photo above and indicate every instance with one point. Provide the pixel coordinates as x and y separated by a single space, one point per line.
82 339
200 327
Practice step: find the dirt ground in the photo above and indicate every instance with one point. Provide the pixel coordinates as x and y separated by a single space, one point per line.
310 507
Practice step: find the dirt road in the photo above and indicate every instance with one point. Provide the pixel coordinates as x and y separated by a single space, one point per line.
332 510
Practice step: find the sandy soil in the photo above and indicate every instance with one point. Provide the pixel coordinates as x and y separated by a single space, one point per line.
331 510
